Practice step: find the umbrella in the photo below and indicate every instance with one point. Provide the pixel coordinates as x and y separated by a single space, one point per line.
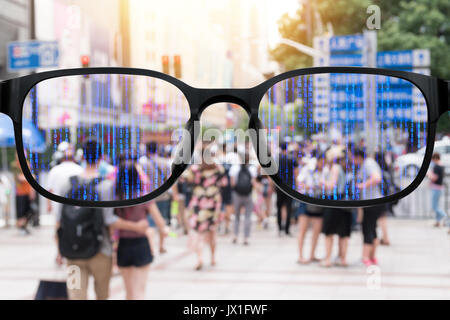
32 137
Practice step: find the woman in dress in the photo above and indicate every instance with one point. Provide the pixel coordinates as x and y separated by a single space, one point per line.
205 206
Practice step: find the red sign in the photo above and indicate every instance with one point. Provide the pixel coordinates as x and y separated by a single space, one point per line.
156 112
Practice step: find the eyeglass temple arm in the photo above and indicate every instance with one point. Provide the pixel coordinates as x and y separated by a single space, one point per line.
6 96
448 95
443 96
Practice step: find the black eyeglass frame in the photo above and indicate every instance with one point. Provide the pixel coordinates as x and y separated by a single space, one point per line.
435 91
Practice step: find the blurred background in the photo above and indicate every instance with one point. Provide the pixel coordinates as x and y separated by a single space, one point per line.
230 43
222 44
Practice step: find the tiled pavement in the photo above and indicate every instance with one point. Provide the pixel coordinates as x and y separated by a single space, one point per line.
415 266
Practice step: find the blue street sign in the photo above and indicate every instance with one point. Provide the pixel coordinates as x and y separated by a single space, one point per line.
345 60
395 59
30 55
405 59
395 97
353 42
346 102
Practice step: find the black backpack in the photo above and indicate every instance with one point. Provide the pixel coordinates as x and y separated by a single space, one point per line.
80 234
244 182
387 186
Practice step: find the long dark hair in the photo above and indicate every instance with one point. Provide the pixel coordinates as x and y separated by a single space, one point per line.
128 182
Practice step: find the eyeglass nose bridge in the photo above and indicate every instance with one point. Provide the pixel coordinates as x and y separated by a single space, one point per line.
207 97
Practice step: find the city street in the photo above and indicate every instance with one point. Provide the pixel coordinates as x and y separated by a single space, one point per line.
415 266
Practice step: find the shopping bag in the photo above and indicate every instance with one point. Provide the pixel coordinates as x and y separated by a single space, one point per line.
51 290
54 287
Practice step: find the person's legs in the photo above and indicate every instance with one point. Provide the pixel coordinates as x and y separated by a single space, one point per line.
283 217
248 207
228 212
139 278
303 221
435 197
434 200
268 200
210 238
22 208
316 228
328 249
237 215
79 292
161 242
164 209
343 245
367 236
34 213
369 227
100 266
182 220
279 210
288 204
198 247
367 252
382 222
258 209
127 275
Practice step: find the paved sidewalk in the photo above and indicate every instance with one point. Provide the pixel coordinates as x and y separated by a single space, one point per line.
415 266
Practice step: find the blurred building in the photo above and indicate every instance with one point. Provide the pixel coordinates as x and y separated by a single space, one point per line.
220 43
162 30
82 28
86 31
14 25
246 29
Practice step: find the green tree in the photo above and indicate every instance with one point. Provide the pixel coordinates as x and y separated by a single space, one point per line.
346 17
420 24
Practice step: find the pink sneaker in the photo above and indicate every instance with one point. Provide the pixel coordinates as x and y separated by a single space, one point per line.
367 262
374 261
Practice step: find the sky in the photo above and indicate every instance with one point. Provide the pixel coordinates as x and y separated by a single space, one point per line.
276 9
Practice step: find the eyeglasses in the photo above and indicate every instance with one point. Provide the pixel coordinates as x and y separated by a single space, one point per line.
328 132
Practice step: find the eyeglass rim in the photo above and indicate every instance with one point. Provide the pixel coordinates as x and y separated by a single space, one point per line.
17 90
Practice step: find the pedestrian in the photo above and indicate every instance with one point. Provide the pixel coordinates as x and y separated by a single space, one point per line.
287 172
262 199
25 194
368 187
336 221
134 253
83 233
61 172
387 188
204 207
158 169
180 204
5 197
436 176
231 158
242 181
308 181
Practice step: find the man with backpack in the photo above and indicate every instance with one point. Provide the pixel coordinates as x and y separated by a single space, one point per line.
83 233
242 180
287 171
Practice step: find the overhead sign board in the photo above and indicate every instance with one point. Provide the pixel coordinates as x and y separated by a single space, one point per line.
31 55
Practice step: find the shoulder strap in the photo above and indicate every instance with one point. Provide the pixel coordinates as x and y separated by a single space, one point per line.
74 181
244 168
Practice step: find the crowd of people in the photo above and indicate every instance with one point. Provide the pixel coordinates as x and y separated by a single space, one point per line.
210 198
